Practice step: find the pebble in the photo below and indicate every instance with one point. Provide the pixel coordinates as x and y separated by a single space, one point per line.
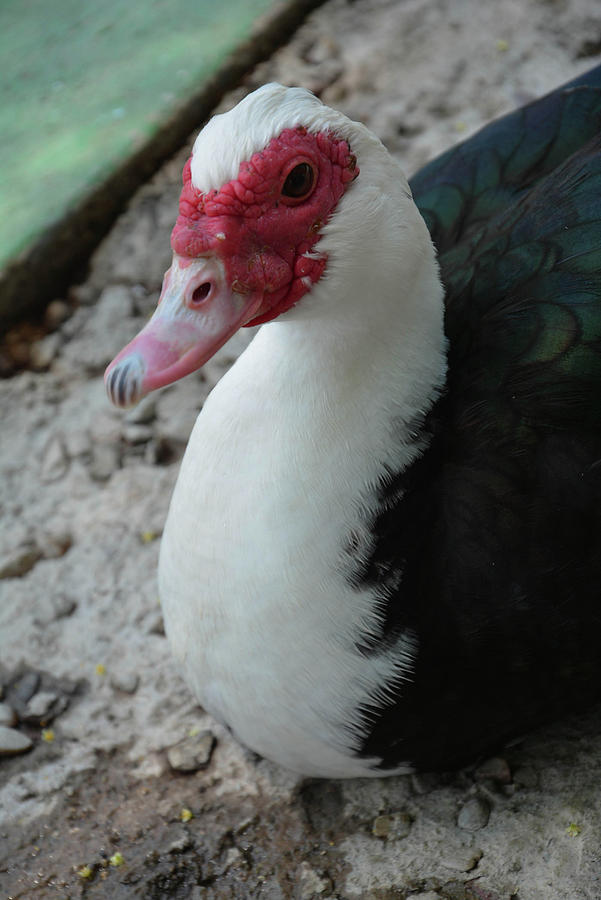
56 313
105 461
43 707
395 826
43 352
58 607
77 443
192 753
181 844
41 703
474 814
427 895
63 606
106 428
23 690
152 766
54 460
496 769
311 883
85 294
461 860
8 716
137 434
233 857
13 742
19 561
54 542
127 682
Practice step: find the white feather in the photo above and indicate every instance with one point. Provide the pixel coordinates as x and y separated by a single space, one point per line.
285 457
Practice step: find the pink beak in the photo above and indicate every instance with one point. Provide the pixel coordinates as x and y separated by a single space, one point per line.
196 314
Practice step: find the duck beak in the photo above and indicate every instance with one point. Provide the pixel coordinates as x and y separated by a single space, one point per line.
196 314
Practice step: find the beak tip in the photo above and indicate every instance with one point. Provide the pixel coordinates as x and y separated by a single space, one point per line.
124 381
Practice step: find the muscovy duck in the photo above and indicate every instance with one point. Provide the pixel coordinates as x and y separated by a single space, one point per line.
374 561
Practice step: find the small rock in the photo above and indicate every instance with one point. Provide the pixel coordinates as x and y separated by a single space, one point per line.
233 857
394 826
496 769
18 562
474 814
322 50
54 460
77 443
311 883
44 351
106 428
144 413
43 707
59 607
86 293
181 844
13 742
242 826
17 351
137 434
41 703
24 689
54 542
192 753
56 313
8 716
152 766
461 860
127 682
105 461
381 827
63 606
427 895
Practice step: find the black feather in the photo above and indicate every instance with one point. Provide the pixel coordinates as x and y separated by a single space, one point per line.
497 528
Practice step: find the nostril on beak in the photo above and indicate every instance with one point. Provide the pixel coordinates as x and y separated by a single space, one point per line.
201 292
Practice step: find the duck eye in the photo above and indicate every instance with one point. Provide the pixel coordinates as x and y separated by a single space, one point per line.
300 182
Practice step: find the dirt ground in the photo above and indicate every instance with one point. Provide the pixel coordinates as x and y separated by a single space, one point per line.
129 790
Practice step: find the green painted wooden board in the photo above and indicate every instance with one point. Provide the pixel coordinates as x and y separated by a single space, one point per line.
83 83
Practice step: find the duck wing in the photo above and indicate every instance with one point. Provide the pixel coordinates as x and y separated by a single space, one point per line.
480 177
497 530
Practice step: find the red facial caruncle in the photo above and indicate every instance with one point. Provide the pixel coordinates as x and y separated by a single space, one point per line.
264 223
243 254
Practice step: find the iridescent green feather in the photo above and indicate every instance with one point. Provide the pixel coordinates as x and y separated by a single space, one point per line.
516 215
475 180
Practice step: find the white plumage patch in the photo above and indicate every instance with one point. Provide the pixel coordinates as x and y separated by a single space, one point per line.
284 462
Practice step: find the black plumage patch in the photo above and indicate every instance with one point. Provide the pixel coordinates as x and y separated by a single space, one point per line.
496 530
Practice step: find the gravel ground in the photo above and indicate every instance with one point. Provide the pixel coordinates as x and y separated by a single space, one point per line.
128 788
